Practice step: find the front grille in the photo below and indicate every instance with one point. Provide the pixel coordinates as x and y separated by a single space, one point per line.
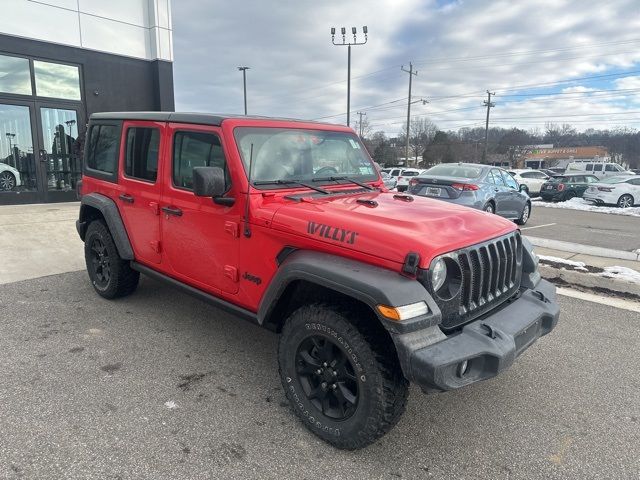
490 274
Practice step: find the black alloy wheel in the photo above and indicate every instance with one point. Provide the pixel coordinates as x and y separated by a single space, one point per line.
327 377
100 263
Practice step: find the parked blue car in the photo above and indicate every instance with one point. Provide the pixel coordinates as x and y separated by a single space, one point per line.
482 187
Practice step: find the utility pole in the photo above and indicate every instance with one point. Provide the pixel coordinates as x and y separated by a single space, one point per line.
488 103
244 84
343 32
361 114
411 74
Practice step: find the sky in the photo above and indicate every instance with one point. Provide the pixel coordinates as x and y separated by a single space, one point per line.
560 61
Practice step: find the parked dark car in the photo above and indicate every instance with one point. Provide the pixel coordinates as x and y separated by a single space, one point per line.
566 187
482 187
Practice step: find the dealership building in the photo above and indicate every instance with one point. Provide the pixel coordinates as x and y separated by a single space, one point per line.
61 61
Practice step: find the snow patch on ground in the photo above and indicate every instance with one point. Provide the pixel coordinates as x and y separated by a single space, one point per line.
622 273
571 263
581 204
170 404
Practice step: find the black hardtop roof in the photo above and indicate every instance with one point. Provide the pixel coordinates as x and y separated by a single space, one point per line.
184 117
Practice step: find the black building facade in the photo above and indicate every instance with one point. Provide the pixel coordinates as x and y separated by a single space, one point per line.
47 93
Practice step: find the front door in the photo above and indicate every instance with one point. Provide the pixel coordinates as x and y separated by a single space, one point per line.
59 150
139 181
200 239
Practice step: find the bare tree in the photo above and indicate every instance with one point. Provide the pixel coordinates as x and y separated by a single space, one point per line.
421 133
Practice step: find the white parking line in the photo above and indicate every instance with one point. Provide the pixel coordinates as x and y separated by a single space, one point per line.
538 226
610 301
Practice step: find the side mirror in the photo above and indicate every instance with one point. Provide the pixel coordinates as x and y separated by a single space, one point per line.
523 187
208 182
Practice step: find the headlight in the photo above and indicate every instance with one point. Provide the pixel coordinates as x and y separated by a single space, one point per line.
438 274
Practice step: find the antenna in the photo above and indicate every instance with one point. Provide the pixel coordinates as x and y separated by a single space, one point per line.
247 229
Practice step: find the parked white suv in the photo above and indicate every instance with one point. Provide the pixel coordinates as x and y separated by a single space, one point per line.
529 181
622 191
599 169
9 177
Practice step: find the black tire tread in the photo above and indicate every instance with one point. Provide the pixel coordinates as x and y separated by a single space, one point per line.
392 399
125 279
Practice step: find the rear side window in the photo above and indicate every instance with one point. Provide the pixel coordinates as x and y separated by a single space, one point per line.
141 157
577 180
196 149
589 167
102 154
496 178
597 168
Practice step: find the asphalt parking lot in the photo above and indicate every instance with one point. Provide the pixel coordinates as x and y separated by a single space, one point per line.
162 386
588 228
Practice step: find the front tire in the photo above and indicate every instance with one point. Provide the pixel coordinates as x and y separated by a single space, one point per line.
489 208
110 275
342 381
625 201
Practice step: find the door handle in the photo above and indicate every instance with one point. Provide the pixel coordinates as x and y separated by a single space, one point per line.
125 197
172 211
496 189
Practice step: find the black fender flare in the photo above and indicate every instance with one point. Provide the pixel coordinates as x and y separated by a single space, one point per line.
369 284
111 214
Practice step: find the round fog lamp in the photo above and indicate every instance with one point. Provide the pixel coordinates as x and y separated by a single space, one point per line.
438 274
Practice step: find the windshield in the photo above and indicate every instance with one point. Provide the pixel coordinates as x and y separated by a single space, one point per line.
293 154
454 170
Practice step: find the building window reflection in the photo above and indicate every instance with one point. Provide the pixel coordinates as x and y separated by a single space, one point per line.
61 148
17 162
56 80
14 75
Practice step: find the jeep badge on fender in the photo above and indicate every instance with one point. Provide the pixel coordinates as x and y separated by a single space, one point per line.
288 224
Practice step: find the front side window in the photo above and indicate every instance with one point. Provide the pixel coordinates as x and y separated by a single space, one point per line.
611 168
196 149
141 156
295 154
14 75
102 154
56 80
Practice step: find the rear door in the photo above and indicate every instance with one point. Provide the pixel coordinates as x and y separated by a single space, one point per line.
200 238
140 187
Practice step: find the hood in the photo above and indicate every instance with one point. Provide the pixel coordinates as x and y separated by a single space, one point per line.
389 227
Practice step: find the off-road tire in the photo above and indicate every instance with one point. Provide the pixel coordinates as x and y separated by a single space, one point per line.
524 218
382 390
122 279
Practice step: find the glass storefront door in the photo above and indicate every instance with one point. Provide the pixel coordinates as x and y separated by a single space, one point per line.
18 168
60 151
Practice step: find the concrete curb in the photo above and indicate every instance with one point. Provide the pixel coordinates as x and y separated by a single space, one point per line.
584 249
589 281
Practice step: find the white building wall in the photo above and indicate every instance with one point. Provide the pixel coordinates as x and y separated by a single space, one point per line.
135 28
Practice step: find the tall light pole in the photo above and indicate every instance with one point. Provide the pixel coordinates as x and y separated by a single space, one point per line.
343 32
244 84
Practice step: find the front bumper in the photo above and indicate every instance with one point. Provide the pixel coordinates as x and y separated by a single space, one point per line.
489 345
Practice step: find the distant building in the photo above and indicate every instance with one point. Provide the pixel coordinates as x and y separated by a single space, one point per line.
61 61
538 156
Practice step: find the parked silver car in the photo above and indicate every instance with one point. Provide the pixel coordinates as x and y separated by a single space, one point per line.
482 187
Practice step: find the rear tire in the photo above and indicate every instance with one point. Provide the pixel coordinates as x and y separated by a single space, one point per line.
7 181
110 275
343 382
625 201
489 207
524 216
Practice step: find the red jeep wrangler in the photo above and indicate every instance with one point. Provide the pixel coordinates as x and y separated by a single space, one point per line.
288 224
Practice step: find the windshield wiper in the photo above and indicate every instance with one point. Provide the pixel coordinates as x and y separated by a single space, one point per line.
335 179
291 182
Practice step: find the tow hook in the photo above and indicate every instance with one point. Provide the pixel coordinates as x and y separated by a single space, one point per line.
541 296
491 332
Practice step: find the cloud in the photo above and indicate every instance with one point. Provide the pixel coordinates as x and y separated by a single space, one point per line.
460 49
